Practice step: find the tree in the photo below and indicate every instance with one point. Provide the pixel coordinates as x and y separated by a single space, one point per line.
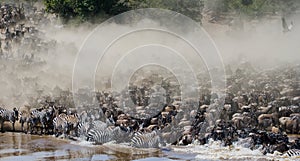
86 9
190 8
82 8
61 7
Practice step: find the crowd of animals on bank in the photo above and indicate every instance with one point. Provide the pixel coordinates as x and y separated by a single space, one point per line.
20 37
27 51
260 107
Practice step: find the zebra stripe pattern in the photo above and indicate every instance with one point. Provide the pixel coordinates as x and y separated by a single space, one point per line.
83 128
100 136
72 122
146 140
60 125
38 118
293 152
8 115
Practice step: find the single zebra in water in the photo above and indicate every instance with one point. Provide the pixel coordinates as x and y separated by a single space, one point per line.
100 136
146 140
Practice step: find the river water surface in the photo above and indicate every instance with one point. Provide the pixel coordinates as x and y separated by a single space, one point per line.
26 147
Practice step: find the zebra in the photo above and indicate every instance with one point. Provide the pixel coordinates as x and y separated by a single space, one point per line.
146 140
83 128
293 153
122 134
99 125
83 116
60 125
72 122
8 115
100 136
24 117
37 118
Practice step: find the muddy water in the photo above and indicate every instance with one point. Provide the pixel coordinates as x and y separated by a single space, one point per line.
25 147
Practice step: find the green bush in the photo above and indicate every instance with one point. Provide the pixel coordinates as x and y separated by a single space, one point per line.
88 9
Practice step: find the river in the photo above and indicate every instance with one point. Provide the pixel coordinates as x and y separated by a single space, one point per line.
26 147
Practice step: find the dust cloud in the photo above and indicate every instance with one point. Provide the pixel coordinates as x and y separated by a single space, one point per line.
262 43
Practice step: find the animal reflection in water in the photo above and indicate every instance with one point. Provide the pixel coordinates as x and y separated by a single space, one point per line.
17 146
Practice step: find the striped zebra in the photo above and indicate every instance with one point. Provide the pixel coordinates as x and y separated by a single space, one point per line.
82 129
292 153
38 118
122 134
146 140
100 136
98 125
72 122
60 125
24 117
83 116
8 115
66 124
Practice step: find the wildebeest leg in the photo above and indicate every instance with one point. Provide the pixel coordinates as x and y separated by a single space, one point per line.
76 132
2 124
22 126
294 128
28 126
65 130
55 131
43 129
13 126
32 126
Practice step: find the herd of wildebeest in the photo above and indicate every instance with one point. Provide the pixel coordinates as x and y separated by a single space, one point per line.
260 107
20 38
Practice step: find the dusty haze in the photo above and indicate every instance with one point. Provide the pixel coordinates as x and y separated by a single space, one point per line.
262 43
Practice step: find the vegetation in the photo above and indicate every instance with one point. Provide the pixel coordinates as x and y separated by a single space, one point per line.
89 9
